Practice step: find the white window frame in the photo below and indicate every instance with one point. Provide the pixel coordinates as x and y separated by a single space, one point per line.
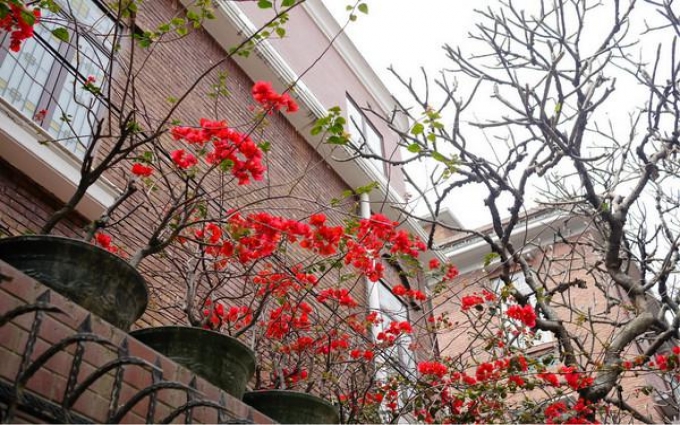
32 150
519 282
364 134
406 357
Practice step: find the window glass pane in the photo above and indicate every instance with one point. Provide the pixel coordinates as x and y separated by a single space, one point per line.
373 141
24 75
37 78
355 122
70 122
391 305
363 134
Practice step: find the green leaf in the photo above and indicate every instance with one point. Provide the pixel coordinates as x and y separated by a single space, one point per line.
490 257
264 4
337 140
352 17
287 3
61 34
414 148
417 129
366 189
28 17
265 146
182 31
363 8
281 32
438 157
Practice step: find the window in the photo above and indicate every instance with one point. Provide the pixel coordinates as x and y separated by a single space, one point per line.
365 135
48 75
398 359
520 340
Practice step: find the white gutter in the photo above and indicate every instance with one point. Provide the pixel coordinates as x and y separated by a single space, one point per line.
470 256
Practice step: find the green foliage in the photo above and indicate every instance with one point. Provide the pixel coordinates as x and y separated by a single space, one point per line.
490 258
332 125
202 10
61 34
219 89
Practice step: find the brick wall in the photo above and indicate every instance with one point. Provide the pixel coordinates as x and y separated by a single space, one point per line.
555 264
51 381
298 180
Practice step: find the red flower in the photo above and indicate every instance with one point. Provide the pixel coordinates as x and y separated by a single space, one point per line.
19 22
183 159
264 94
142 170
525 314
434 264
399 290
103 239
469 301
433 368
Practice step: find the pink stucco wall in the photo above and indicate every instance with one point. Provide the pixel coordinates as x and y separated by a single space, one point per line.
330 79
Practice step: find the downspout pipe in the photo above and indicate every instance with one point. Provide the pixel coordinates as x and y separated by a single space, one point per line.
372 294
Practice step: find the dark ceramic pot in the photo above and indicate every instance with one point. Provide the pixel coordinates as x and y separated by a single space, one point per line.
220 359
96 279
292 407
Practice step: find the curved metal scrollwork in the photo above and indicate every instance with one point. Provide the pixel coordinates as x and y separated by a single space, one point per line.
16 402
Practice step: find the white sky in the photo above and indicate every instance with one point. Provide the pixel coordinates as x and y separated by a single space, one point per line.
408 35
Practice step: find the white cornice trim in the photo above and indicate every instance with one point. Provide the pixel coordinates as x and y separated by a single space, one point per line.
469 254
323 18
33 151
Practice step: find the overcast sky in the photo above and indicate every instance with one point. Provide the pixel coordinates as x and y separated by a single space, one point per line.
408 34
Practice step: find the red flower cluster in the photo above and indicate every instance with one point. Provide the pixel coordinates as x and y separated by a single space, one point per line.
334 343
576 380
560 413
400 290
469 301
233 150
103 240
183 159
340 295
235 318
371 237
264 94
525 314
367 355
19 21
139 169
433 368
288 318
394 330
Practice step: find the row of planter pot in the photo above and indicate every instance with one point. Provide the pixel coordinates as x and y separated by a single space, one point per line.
112 289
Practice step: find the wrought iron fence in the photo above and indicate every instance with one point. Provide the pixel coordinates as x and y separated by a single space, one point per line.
19 404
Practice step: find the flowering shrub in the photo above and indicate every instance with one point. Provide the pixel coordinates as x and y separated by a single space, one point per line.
18 20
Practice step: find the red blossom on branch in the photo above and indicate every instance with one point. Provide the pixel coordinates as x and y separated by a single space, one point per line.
264 94
19 22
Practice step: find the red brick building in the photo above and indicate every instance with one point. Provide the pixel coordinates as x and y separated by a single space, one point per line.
558 249
37 87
